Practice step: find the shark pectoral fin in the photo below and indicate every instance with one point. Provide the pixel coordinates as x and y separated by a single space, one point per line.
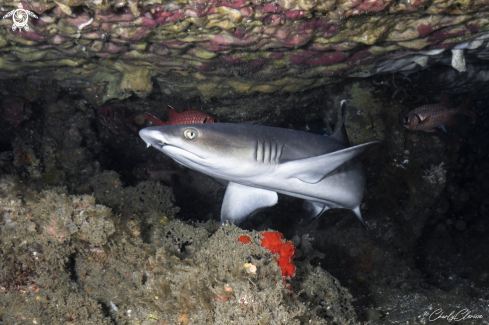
313 169
240 201
312 211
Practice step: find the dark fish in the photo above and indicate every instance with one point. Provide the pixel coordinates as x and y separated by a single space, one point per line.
428 117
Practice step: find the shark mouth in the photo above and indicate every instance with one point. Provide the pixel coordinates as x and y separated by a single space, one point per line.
181 154
153 138
157 139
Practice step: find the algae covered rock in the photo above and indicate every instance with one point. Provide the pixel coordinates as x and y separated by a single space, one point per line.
40 233
114 49
65 260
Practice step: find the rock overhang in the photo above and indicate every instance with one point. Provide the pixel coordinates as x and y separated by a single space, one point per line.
113 49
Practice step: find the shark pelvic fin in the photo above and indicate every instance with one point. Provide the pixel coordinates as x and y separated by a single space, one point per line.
240 201
359 216
339 133
314 169
312 211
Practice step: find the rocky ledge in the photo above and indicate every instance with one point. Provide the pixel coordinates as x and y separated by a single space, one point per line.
113 49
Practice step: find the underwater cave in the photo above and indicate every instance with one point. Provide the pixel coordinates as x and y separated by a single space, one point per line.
102 225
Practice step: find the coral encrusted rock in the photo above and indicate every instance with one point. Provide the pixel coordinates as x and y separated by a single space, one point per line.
113 49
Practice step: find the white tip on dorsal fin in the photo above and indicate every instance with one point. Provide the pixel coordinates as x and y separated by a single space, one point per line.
313 169
240 201
339 133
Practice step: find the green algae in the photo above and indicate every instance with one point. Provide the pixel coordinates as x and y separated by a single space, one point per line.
365 122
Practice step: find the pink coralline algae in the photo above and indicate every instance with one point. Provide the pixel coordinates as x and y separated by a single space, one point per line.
235 46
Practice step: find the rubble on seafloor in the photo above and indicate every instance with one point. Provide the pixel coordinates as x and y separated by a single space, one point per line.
113 49
63 261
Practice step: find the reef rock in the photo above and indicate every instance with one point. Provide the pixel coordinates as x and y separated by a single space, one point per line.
65 261
113 49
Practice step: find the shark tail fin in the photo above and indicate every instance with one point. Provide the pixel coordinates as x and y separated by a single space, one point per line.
339 133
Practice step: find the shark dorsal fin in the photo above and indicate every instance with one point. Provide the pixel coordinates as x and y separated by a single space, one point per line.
339 133
241 200
314 169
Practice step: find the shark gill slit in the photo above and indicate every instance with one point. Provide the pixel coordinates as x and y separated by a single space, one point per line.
257 150
260 151
279 152
273 152
267 152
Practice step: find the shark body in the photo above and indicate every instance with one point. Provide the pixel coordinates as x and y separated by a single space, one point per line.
257 162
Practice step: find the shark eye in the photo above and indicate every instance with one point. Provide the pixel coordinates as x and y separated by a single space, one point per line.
190 134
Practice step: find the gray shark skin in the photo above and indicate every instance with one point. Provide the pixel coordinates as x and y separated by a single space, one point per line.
261 161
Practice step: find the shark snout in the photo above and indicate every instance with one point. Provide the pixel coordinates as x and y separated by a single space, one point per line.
153 137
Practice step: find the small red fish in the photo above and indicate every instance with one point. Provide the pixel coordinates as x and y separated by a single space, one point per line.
14 110
428 117
139 121
186 117
113 118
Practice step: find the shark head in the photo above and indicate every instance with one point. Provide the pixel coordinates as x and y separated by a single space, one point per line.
202 147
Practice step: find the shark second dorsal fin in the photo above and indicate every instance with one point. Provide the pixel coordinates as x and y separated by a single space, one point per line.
339 133
241 200
314 169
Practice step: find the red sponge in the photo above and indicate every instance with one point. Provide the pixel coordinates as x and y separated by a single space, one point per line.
244 239
273 241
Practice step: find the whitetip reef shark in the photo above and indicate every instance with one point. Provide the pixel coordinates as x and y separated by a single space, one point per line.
257 162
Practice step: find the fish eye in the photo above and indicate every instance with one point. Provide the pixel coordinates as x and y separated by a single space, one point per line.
190 134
